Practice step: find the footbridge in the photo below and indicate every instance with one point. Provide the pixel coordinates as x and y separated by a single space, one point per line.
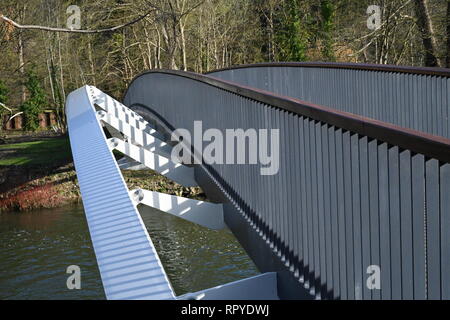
357 208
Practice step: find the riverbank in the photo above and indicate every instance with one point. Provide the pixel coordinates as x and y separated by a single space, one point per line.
59 187
39 173
36 247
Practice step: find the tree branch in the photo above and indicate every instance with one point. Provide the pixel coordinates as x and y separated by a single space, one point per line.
36 27
385 21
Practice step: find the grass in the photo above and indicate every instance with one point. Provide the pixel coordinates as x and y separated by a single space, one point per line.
46 152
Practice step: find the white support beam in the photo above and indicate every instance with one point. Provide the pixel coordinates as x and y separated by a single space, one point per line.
135 135
206 214
174 171
127 163
260 287
117 109
128 263
112 131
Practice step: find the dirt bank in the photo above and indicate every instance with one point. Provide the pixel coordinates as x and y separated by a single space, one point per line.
36 171
31 188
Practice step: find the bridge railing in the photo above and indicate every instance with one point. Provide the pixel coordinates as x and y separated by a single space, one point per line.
352 194
415 98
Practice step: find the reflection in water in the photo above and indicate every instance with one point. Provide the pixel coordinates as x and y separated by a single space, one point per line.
195 257
37 247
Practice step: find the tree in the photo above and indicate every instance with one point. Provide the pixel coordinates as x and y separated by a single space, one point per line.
35 103
3 92
122 38
327 11
291 36
426 29
447 55
3 100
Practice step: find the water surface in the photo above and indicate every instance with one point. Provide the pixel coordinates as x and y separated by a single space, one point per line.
36 248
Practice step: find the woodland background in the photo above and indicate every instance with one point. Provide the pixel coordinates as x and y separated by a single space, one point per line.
39 68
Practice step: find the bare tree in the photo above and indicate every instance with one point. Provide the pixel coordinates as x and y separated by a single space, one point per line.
51 29
447 62
426 29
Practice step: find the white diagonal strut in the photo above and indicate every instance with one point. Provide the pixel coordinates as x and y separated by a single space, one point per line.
135 135
174 171
206 214
126 163
117 109
129 265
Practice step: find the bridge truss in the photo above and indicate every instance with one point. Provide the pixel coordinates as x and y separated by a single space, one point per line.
127 259
364 178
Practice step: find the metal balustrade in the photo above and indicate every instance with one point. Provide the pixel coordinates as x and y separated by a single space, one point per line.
415 98
351 192
128 262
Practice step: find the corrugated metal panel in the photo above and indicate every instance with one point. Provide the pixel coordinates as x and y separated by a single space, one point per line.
418 102
342 201
128 263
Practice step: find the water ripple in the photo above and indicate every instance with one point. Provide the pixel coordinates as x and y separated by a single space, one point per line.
36 248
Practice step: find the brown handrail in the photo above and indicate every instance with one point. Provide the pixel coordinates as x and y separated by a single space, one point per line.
429 145
442 72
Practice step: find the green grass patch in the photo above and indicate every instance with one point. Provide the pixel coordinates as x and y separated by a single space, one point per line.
49 152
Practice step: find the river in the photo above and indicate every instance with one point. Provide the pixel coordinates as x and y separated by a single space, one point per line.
37 247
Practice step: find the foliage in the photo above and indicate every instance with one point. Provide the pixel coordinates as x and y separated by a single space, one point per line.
35 103
3 99
203 35
4 92
291 36
327 13
44 196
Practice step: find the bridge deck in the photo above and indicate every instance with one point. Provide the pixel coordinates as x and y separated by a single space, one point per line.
128 262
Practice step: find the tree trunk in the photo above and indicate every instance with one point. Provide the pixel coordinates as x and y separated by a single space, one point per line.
21 53
52 88
271 36
22 67
149 49
61 70
426 29
183 46
91 63
447 62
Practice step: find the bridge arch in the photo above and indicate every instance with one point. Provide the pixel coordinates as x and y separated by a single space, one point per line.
352 192
411 97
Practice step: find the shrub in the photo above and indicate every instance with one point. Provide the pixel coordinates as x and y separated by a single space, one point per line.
36 102
3 99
